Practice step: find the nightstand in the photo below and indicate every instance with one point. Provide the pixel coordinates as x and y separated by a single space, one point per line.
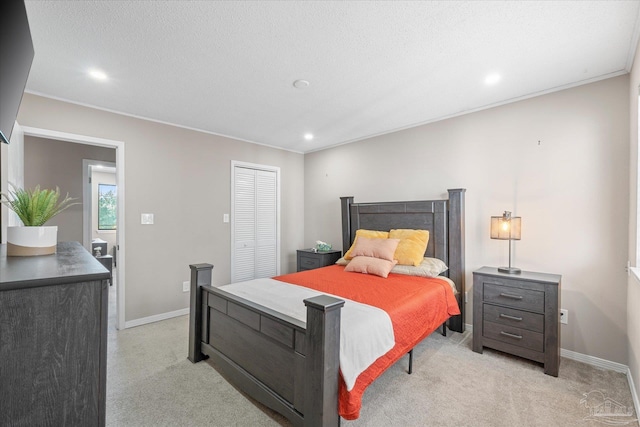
518 314
308 259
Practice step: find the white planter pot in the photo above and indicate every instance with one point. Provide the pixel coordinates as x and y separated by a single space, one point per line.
32 241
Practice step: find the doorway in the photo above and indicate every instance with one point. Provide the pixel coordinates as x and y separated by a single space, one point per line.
95 174
119 260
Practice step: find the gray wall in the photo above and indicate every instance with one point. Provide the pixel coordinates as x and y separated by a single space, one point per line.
50 163
571 190
184 178
560 161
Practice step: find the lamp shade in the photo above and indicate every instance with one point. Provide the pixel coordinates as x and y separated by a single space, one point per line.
505 227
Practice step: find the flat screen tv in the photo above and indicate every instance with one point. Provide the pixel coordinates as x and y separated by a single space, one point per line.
16 56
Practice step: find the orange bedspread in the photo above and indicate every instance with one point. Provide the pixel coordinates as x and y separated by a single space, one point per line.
417 306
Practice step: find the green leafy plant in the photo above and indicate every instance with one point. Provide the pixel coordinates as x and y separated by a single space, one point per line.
35 207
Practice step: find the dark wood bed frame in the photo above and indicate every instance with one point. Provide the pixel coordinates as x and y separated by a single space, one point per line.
291 367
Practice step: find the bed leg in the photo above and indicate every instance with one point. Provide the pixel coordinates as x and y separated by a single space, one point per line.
410 361
200 276
322 360
444 329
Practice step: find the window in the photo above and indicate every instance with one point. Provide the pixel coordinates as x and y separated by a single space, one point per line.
107 213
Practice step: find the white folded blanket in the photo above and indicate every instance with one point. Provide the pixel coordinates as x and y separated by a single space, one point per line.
366 332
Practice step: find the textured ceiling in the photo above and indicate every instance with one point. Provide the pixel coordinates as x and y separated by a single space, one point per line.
374 67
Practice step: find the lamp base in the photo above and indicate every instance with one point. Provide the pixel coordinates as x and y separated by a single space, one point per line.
509 270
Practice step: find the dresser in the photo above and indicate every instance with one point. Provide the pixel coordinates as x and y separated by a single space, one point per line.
53 338
308 259
518 314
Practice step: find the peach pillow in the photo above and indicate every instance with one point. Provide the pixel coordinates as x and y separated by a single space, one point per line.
413 243
371 234
370 265
376 248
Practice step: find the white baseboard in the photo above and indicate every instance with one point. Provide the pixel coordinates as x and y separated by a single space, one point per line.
594 361
156 318
605 364
597 362
634 395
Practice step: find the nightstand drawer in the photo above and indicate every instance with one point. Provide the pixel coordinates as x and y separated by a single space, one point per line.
308 259
515 318
515 336
308 263
514 297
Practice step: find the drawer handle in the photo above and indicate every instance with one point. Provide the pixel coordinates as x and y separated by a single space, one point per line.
512 296
518 337
506 316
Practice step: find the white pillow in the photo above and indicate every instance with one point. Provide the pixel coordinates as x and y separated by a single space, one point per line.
429 267
342 261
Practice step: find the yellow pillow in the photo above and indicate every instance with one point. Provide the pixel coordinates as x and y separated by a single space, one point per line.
413 243
371 234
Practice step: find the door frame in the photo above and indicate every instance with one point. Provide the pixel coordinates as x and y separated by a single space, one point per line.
255 166
120 234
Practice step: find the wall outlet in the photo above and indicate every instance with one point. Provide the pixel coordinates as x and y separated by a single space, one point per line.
186 286
564 316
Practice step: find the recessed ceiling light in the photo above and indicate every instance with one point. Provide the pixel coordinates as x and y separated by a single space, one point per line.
308 136
492 79
98 74
300 84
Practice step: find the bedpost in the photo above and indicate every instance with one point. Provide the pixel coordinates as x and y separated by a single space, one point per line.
456 253
322 361
346 203
200 276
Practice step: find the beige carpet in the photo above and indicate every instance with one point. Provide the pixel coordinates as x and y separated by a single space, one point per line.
151 383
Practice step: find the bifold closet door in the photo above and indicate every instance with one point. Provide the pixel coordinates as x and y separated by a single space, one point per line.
254 226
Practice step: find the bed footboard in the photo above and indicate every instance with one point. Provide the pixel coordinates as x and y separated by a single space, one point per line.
286 365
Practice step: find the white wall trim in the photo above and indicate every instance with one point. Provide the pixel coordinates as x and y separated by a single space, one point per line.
634 395
135 116
594 361
589 360
156 318
120 253
474 110
598 363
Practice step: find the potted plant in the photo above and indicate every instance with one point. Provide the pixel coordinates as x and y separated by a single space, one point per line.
34 207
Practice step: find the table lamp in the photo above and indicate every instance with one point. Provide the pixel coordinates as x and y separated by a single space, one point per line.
506 227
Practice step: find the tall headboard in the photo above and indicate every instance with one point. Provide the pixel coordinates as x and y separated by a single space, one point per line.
443 218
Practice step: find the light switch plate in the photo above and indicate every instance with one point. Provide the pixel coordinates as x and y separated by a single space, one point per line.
146 218
225 218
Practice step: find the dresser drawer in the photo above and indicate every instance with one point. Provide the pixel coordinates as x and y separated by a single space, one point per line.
308 263
514 297
516 318
515 336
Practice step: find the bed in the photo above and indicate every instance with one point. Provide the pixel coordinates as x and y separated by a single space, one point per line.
292 366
